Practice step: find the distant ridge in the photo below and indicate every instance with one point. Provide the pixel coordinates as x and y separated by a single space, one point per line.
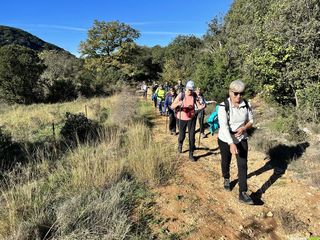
10 35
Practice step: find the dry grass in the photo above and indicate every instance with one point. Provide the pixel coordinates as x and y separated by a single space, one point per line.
89 192
28 123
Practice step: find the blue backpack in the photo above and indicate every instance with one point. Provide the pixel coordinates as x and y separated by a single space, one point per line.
213 121
213 118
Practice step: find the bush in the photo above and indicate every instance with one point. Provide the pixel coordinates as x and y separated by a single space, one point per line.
10 151
79 129
20 70
309 103
288 125
62 90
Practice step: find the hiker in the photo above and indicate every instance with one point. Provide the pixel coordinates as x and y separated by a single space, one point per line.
171 95
153 95
179 87
235 118
201 113
166 87
185 111
160 95
144 89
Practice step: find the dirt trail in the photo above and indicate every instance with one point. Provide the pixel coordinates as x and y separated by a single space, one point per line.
193 205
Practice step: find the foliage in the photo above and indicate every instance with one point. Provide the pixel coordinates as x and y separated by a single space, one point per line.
180 58
309 103
106 38
79 129
61 68
10 151
110 54
61 91
20 70
273 45
10 35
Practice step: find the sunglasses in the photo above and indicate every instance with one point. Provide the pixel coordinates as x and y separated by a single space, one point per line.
238 93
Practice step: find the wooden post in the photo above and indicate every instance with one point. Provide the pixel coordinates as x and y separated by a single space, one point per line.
53 131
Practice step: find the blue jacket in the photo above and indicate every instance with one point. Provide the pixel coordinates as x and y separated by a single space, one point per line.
168 101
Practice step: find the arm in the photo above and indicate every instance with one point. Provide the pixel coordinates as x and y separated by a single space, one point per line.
210 102
241 130
223 123
199 104
166 103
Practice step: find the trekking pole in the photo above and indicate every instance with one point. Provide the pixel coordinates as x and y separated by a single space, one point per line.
167 122
180 117
201 122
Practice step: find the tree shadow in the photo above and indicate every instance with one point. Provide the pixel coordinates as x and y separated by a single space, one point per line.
280 157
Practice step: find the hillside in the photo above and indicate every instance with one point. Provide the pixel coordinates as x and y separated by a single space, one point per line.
10 35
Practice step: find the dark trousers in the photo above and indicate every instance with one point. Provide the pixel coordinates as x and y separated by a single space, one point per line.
242 160
172 121
191 124
200 115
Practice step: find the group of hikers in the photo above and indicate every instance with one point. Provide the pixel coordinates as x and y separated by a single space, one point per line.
184 104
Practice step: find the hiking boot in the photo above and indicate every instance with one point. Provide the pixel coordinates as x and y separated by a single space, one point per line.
191 157
226 184
180 148
244 198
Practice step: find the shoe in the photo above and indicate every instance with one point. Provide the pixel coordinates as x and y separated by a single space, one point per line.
180 148
191 157
203 135
226 184
244 198
257 195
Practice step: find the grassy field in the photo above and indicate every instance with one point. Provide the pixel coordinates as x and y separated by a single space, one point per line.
90 190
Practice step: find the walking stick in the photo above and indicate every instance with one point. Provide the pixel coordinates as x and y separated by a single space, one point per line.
167 116
201 124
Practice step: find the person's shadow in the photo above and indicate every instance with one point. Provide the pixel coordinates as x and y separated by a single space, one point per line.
280 157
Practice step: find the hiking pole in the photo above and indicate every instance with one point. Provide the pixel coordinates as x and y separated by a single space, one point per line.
181 106
201 124
167 116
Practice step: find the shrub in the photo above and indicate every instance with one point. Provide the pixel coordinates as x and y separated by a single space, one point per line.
10 151
62 90
79 129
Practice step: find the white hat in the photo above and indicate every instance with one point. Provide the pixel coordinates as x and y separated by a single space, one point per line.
190 85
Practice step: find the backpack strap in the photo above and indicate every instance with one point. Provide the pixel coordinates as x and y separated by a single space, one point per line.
183 96
227 108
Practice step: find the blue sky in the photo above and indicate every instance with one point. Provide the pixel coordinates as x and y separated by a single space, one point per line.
65 22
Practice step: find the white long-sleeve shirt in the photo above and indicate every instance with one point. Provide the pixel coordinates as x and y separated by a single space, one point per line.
238 117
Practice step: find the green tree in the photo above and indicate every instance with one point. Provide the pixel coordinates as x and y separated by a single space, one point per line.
181 57
109 53
20 70
62 68
106 38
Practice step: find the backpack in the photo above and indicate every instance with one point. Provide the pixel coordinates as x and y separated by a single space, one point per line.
183 94
213 118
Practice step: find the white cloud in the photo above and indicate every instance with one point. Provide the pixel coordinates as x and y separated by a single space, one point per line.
169 33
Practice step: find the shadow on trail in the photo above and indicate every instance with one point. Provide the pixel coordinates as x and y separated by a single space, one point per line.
280 157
